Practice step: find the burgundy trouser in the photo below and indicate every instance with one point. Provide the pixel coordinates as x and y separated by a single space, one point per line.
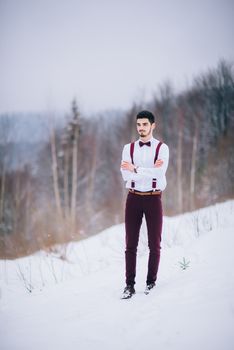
151 207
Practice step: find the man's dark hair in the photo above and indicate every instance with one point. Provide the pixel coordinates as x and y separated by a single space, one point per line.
146 114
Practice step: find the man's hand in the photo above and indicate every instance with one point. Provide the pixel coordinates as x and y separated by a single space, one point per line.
127 166
158 163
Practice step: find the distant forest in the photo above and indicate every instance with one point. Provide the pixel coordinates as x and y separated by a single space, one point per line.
74 188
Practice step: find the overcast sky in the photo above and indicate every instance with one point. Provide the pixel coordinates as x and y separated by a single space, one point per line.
106 53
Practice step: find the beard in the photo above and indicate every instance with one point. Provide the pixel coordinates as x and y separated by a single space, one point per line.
144 133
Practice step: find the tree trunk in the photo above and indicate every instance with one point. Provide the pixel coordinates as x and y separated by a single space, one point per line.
74 178
193 169
66 183
91 179
179 162
55 172
2 192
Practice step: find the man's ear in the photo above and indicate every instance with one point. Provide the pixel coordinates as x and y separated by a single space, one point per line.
153 126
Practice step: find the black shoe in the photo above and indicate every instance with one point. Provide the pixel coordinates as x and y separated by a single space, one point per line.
129 290
149 287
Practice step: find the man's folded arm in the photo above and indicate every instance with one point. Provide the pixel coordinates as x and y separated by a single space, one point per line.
154 172
127 174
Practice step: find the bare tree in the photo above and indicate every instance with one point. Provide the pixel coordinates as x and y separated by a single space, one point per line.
55 170
66 158
75 136
6 130
180 114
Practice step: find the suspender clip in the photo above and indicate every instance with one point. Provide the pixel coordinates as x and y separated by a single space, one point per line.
133 184
154 184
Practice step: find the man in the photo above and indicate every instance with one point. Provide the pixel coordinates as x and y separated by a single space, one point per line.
143 167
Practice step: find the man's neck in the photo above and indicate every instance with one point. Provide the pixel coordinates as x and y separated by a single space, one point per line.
146 139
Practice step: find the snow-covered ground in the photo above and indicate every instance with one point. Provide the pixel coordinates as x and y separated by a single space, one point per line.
51 303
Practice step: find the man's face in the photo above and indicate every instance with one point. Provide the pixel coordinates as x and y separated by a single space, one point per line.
144 128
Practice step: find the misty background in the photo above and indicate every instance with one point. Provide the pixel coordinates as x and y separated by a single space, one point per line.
74 74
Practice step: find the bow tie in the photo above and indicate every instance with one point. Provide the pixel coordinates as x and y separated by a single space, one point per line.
145 143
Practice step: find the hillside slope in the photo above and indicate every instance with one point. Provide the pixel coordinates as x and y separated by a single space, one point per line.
75 303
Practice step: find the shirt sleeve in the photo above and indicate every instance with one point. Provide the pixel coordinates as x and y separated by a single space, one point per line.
126 174
157 172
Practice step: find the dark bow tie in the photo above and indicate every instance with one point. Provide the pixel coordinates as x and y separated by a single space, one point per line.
145 143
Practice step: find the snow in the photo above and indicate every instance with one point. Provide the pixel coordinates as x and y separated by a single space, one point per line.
75 303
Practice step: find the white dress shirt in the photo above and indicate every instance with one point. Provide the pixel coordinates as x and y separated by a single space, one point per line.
143 158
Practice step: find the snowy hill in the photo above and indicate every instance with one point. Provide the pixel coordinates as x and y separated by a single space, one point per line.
70 299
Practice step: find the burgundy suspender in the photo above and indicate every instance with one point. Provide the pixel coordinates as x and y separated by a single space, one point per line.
157 151
154 181
131 154
132 150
